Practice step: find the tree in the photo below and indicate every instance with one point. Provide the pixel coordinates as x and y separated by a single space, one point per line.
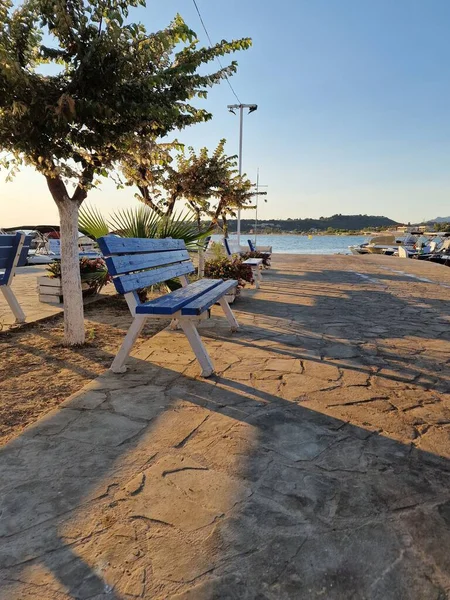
236 193
162 180
111 85
444 227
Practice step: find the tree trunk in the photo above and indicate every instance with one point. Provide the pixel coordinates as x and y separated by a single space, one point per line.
70 273
201 254
225 226
201 262
171 204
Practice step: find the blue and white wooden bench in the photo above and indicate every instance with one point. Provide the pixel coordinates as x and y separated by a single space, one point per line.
254 263
139 263
266 251
13 253
263 249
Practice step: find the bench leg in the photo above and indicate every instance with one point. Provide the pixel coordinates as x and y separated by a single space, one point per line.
13 303
174 325
198 347
118 364
229 314
256 276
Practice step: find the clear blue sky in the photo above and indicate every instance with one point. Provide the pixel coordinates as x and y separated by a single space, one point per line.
353 115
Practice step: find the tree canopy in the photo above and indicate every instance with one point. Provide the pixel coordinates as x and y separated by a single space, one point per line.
109 83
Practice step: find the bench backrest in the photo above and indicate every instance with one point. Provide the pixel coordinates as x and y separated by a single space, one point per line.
226 244
13 253
206 243
136 263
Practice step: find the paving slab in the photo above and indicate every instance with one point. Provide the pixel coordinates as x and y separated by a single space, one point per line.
315 463
25 286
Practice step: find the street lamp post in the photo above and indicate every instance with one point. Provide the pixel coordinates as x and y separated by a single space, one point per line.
232 108
258 193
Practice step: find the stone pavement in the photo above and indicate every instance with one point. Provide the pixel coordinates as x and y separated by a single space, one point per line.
25 288
314 465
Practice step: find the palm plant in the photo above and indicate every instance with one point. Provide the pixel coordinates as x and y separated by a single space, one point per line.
142 222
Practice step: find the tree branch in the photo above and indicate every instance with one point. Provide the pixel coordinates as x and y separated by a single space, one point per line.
57 189
146 199
81 190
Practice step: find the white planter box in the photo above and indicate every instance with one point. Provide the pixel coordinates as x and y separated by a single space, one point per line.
50 289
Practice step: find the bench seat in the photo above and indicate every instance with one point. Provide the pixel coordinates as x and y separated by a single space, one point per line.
178 299
203 303
253 262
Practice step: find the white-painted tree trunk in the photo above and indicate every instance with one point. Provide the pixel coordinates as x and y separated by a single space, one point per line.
201 262
70 274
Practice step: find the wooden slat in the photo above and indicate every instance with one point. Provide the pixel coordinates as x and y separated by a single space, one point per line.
24 253
173 302
9 247
227 247
7 252
111 244
205 301
136 281
5 256
137 262
7 240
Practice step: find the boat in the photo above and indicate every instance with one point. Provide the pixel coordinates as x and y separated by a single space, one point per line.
359 248
46 244
388 244
431 246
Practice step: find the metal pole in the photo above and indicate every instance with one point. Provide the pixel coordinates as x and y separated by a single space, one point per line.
241 132
256 214
232 108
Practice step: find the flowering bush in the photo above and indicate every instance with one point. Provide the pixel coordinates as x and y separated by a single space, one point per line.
226 268
93 271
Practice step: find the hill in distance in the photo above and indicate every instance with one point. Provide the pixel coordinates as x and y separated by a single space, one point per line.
336 222
440 220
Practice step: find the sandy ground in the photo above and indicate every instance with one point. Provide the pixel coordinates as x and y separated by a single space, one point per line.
37 372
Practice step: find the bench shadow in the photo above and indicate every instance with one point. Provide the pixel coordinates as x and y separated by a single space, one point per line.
308 476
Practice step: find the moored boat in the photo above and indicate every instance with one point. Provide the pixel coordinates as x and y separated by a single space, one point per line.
387 243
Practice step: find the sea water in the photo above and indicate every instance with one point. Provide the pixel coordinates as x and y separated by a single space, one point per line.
302 244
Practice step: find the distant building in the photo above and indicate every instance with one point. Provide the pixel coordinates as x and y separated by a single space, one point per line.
409 228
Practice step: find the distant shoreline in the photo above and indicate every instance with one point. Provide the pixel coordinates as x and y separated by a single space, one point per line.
316 234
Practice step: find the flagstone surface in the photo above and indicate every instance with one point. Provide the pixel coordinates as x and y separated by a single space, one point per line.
25 288
314 464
